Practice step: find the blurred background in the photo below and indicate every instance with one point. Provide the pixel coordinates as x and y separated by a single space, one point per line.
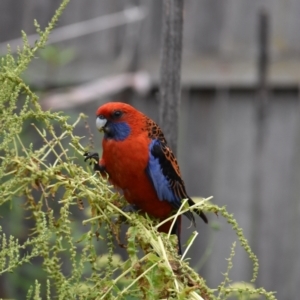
239 127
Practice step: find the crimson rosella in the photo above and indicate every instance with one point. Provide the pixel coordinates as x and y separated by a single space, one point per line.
139 162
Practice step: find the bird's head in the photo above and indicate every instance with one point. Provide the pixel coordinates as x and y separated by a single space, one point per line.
115 119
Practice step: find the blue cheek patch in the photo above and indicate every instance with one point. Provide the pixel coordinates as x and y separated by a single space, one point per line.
117 131
159 181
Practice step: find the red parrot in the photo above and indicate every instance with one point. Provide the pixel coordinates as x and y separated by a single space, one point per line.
140 163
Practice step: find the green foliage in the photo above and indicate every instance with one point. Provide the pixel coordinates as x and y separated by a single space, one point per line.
44 180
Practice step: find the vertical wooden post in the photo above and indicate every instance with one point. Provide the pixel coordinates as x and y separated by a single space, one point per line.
170 73
261 115
262 65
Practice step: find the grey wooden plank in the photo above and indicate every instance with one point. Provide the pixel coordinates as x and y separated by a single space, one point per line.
277 242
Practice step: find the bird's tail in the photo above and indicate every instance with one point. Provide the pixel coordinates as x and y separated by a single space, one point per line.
199 212
177 230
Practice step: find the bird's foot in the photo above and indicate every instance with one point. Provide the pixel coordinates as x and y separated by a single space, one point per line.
130 208
94 159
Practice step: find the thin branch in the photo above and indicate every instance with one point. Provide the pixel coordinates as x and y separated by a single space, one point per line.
140 82
76 30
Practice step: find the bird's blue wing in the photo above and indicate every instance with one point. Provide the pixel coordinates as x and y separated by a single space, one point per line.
164 174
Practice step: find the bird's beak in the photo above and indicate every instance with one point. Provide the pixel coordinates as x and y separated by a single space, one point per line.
100 123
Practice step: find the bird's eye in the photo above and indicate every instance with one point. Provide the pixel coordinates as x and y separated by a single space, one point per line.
101 117
117 114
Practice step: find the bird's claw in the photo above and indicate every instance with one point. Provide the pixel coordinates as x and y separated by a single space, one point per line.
131 208
89 155
94 159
